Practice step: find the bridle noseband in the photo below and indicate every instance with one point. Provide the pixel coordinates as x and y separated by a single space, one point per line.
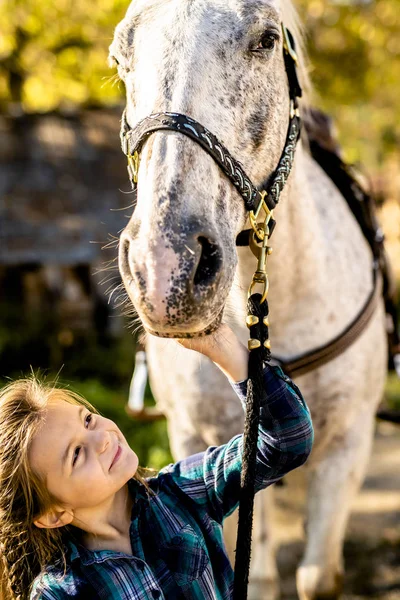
132 141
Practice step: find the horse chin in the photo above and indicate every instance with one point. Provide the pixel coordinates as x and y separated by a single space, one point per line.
188 334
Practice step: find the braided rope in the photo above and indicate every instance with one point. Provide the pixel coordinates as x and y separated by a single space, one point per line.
285 164
255 391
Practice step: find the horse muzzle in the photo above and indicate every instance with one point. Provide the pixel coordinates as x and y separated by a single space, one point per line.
176 282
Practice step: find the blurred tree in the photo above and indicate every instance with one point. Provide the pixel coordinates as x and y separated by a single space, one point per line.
355 52
53 55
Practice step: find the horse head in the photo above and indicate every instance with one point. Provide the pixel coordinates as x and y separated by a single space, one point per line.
220 62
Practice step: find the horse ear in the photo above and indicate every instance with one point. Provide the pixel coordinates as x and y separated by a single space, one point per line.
53 518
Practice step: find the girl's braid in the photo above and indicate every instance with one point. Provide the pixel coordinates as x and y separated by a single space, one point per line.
13 569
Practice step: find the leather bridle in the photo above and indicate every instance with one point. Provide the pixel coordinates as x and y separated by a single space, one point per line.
133 139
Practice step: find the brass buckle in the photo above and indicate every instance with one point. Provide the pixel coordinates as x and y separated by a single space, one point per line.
133 163
261 253
253 216
288 46
261 278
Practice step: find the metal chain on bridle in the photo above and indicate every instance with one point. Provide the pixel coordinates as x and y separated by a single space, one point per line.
258 204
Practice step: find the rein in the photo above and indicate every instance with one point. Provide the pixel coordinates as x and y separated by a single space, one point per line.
257 202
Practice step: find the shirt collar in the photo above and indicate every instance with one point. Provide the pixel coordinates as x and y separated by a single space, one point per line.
76 551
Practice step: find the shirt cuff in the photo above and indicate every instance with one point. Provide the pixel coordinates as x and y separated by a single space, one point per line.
240 388
270 373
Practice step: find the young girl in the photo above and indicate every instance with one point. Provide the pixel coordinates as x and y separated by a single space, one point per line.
77 521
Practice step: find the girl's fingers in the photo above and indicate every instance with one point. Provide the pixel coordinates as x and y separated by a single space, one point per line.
212 344
225 349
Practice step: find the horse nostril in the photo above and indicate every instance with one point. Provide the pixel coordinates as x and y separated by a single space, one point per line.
209 264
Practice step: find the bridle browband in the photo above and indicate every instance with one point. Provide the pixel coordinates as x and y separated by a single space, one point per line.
132 141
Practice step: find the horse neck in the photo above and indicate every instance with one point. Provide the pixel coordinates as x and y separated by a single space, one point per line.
319 267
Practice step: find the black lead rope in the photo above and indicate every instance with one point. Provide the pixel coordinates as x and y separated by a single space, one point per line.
260 202
255 391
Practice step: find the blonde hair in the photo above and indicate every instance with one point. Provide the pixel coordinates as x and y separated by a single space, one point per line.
26 550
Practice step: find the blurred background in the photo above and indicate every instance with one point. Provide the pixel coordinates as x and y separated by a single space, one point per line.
64 188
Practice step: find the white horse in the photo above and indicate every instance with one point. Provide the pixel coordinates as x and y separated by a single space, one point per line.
221 62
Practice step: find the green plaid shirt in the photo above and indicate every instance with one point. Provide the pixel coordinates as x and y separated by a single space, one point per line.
176 534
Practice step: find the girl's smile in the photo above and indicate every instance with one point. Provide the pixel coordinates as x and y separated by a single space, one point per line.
117 455
83 457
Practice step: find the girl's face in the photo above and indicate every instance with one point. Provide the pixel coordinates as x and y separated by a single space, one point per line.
83 458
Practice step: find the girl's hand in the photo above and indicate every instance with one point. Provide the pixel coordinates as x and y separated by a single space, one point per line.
224 349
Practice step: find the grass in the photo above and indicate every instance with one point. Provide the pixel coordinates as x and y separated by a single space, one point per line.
392 391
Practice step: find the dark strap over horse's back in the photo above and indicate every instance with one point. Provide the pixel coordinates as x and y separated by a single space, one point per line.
309 361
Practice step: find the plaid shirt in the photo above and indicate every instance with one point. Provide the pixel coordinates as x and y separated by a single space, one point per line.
176 534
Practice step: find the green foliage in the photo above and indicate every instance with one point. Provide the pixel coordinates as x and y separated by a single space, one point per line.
31 339
355 52
53 54
393 391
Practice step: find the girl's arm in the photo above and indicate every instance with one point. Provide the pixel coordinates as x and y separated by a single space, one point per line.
285 439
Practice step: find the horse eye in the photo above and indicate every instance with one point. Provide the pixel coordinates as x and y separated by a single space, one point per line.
267 42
